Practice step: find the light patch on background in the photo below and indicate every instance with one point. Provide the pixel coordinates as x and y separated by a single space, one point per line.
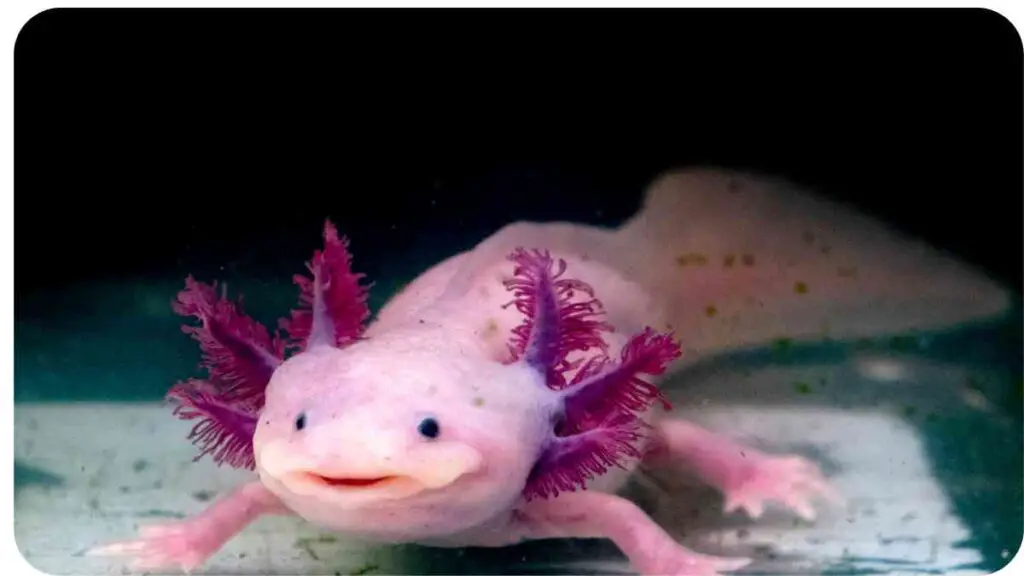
882 369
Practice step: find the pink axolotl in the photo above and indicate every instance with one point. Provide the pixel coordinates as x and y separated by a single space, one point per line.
509 392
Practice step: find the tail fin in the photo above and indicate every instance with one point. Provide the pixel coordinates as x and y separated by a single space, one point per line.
730 261
736 260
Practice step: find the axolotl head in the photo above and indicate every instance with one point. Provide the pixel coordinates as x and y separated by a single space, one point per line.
393 440
405 435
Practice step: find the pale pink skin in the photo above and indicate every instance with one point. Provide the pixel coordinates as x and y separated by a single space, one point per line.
436 349
362 404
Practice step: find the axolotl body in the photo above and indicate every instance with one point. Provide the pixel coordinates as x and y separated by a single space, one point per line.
423 433
506 395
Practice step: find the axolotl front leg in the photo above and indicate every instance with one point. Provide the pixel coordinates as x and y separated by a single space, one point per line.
748 478
189 543
649 548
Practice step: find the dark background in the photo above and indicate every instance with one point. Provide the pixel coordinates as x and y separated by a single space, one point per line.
158 142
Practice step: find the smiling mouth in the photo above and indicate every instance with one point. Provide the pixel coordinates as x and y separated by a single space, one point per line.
390 484
352 482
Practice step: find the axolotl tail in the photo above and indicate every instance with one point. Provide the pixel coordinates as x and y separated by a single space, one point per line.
738 261
729 260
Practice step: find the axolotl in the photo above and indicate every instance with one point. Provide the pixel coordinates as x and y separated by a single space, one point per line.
507 395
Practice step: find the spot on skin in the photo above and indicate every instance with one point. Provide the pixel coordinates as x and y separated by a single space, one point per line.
748 260
484 291
478 401
848 272
800 288
826 249
490 329
808 237
431 390
710 311
729 261
140 465
691 258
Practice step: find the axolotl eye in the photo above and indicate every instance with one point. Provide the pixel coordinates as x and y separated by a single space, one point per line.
429 428
300 421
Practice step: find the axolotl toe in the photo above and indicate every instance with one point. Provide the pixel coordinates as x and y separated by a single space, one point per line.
431 432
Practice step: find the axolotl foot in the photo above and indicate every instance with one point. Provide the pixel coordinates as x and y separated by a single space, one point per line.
790 480
747 478
187 544
676 560
182 546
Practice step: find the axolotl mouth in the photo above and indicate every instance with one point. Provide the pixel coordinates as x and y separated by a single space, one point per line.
315 489
383 486
358 476
351 482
